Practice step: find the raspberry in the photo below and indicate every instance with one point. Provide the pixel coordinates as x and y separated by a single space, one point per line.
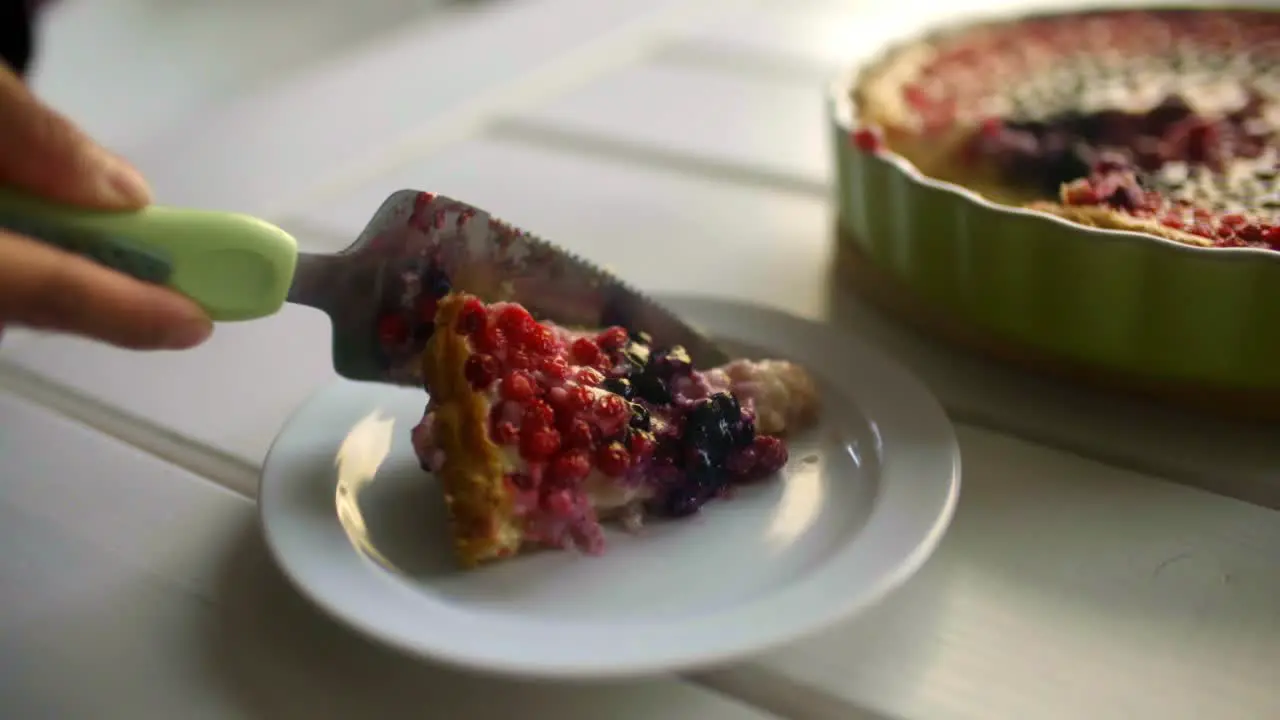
393 331
538 442
614 338
489 340
612 408
519 386
867 139
585 352
471 318
588 376
569 467
613 459
505 433
540 341
480 370
515 322
578 434
555 367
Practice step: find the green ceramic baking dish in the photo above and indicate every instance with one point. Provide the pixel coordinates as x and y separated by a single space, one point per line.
1119 305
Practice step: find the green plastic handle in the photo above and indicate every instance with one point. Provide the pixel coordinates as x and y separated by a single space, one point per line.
234 266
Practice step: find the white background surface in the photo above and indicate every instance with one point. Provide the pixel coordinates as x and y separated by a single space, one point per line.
638 134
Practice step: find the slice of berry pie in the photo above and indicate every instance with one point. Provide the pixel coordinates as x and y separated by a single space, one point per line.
1159 121
537 432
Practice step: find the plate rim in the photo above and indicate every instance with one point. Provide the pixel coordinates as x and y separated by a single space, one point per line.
926 410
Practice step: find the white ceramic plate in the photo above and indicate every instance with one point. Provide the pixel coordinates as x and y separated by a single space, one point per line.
867 495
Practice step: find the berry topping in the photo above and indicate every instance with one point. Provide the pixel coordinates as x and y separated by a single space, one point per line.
555 367
586 352
588 377
640 418
520 360
480 370
578 398
538 442
867 139
538 414
519 386
613 459
618 386
471 318
570 466
578 434
612 409
615 338
515 322
540 341
672 363
489 340
641 445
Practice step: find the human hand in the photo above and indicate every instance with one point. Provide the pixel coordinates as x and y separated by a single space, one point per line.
44 154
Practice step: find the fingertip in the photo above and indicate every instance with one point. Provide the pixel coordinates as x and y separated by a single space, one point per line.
121 185
187 334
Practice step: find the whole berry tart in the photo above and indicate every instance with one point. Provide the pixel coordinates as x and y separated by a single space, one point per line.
539 432
1159 121
1091 192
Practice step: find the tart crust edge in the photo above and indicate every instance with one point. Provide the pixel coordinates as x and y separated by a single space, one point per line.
480 506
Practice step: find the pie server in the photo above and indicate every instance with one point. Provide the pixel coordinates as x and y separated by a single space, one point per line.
379 292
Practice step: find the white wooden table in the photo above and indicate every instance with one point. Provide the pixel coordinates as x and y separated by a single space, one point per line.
1108 560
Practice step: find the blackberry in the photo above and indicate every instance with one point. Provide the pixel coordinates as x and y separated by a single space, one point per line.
619 386
670 363
651 388
640 419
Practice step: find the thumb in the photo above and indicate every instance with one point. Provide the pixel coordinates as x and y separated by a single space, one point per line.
46 155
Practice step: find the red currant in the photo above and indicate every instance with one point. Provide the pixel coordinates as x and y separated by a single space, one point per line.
614 338
538 414
611 408
867 139
556 368
519 386
569 467
515 322
585 352
589 377
471 318
540 340
480 370
538 442
519 360
578 434
641 445
579 398
613 459
489 340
